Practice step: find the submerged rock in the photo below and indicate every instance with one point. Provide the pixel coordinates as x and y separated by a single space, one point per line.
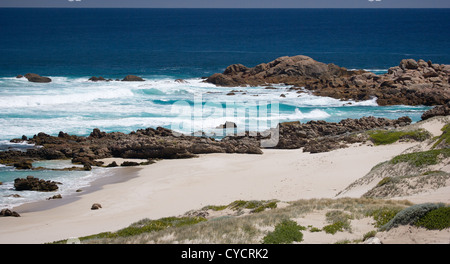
132 78
32 77
96 79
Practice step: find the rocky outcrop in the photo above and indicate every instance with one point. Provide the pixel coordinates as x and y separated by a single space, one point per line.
440 110
294 70
9 212
410 83
33 77
132 78
162 143
150 143
321 136
96 79
31 183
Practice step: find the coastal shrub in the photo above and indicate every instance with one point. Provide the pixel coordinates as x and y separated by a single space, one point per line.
313 229
270 205
445 137
432 172
255 206
335 227
383 215
380 137
410 215
436 219
285 232
423 158
215 207
339 221
369 235
384 181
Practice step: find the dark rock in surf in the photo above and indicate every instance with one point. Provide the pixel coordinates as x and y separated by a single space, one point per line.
96 79
132 78
32 77
31 183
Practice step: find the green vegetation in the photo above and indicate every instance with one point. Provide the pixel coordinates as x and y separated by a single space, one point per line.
215 207
335 227
247 228
145 226
418 159
410 215
384 181
432 172
339 220
369 235
436 219
384 137
383 215
256 206
285 232
313 229
445 137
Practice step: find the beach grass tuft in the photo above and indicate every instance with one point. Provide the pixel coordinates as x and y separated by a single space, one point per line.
385 137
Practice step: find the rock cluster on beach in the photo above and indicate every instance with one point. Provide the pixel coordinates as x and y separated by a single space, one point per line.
440 110
410 83
321 136
9 212
147 143
162 143
31 183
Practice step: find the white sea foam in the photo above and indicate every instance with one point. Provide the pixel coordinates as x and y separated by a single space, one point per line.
76 105
314 114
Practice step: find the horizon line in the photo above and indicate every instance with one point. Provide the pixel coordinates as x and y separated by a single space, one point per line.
74 7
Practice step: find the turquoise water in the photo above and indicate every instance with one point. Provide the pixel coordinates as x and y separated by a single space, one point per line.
70 181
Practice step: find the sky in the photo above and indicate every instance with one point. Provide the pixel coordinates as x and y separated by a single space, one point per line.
229 3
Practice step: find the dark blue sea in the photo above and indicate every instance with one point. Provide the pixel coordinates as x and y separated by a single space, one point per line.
162 45
197 42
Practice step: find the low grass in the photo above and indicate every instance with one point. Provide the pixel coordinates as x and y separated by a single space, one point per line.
145 226
444 138
339 221
254 206
423 158
244 229
384 137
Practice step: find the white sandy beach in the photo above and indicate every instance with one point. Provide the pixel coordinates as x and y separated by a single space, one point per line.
173 187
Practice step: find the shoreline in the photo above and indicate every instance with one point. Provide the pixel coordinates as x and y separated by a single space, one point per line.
174 187
96 185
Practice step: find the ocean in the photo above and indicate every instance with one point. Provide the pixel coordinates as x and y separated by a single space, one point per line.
164 45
